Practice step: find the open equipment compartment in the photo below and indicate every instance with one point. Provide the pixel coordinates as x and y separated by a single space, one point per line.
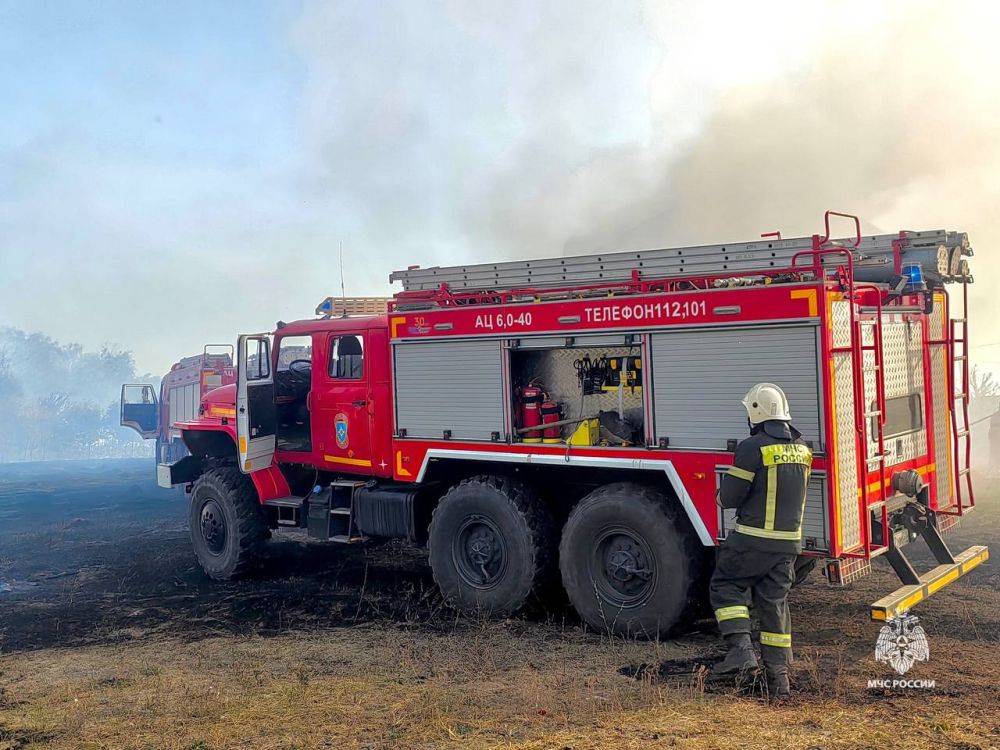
587 389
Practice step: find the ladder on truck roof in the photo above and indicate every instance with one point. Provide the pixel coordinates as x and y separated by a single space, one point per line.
875 258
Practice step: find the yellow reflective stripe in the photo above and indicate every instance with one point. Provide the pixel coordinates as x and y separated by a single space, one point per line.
736 471
772 496
792 536
780 640
732 613
786 453
347 461
805 500
944 580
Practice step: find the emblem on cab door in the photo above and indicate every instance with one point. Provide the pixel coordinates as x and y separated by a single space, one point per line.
340 430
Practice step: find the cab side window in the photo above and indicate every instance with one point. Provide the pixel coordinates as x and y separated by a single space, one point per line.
258 359
347 358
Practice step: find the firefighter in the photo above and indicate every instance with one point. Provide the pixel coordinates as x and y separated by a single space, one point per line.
756 563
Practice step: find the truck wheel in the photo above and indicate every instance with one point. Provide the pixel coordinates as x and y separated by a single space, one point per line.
491 544
228 530
628 565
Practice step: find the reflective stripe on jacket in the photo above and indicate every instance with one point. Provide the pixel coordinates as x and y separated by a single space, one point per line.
767 486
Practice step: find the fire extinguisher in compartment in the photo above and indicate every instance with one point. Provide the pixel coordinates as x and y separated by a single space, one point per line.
531 416
550 411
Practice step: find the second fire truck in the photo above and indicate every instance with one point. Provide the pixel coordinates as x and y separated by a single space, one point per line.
180 396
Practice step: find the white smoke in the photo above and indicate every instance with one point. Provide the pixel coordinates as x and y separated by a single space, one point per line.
466 132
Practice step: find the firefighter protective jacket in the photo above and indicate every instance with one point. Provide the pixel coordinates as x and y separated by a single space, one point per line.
767 486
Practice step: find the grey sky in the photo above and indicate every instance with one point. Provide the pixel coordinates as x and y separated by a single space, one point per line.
172 174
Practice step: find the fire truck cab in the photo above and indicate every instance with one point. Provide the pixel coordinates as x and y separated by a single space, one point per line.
325 402
570 418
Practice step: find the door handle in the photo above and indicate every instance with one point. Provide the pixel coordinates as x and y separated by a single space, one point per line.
360 403
243 410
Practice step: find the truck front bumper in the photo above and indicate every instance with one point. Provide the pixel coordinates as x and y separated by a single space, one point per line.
180 472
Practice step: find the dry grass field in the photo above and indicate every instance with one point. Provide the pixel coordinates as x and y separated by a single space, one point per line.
112 638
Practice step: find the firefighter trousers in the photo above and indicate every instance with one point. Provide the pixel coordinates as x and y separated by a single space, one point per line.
744 576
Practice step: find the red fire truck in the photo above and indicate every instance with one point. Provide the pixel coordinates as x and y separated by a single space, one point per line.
181 392
569 418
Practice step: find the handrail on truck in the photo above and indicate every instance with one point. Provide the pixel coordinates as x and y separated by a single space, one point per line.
826 223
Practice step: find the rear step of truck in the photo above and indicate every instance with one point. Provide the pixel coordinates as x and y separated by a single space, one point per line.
917 587
903 598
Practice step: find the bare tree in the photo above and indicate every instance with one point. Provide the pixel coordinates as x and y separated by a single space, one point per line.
982 384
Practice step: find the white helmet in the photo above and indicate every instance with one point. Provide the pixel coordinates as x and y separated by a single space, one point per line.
766 401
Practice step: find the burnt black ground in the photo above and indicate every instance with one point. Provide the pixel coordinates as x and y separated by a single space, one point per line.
95 553
92 553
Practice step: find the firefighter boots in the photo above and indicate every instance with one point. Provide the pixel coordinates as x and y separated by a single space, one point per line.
777 681
739 658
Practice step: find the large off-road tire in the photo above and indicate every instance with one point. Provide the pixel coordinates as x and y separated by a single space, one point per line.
629 563
491 545
228 529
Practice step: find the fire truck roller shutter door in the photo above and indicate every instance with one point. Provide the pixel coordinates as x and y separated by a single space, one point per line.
451 386
698 375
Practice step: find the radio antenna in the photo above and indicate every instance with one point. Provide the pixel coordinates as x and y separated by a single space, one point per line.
343 294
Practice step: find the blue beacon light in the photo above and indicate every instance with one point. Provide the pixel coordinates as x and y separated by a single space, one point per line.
914 277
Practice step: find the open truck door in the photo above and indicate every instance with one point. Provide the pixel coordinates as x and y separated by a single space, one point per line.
256 416
139 409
